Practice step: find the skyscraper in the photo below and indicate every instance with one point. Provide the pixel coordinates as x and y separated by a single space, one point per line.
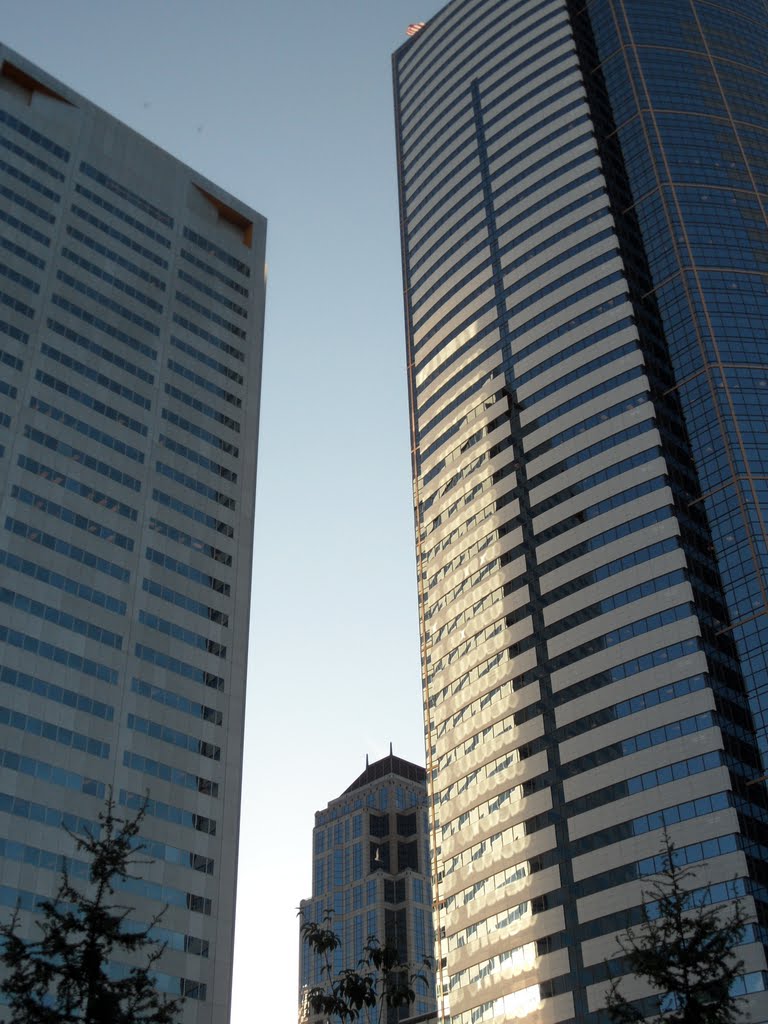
583 190
131 311
371 872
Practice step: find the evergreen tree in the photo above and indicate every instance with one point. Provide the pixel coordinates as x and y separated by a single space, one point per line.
63 977
685 948
380 982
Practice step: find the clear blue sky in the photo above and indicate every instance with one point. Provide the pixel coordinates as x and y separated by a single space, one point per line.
287 104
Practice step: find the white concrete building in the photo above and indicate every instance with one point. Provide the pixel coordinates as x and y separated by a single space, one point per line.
131 317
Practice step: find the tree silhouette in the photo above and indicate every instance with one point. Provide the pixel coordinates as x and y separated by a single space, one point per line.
685 948
380 981
64 977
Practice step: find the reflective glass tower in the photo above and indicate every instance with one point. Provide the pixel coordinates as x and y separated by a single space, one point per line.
583 206
131 309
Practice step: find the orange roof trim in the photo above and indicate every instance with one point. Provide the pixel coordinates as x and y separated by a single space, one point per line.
30 84
231 216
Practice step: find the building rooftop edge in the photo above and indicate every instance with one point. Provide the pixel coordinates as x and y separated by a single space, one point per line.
78 101
391 764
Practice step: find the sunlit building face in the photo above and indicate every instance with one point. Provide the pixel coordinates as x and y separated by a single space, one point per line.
583 196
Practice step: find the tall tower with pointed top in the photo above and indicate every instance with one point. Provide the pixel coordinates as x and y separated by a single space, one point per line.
371 874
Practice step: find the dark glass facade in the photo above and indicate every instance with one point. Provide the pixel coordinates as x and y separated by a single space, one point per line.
690 115
584 241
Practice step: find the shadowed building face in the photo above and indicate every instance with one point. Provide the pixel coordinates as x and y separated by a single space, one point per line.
131 311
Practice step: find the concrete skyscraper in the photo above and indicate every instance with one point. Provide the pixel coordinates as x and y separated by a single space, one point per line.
131 313
371 871
583 193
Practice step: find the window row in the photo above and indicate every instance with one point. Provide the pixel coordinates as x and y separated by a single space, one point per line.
166 734
104 300
214 272
174 700
58 478
617 600
25 130
185 601
104 326
31 183
27 204
67 659
168 812
200 332
210 314
121 261
17 305
653 659
115 283
118 236
192 512
193 455
59 618
178 667
201 357
663 776
632 462
55 579
622 633
14 332
53 733
170 773
594 420
113 386
126 218
614 501
212 249
80 426
204 383
46 860
20 252
58 694
218 298
126 194
203 407
108 355
81 458
211 493
165 529
633 705
200 432
50 773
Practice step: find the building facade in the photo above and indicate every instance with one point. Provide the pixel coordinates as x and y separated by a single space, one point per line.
583 206
371 873
131 313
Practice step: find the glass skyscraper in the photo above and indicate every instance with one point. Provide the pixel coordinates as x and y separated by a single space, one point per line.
583 193
131 311
371 874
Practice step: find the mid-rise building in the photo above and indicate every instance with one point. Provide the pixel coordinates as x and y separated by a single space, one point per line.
371 876
131 313
583 193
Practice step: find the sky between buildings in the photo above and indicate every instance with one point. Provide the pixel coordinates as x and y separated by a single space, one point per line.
287 104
